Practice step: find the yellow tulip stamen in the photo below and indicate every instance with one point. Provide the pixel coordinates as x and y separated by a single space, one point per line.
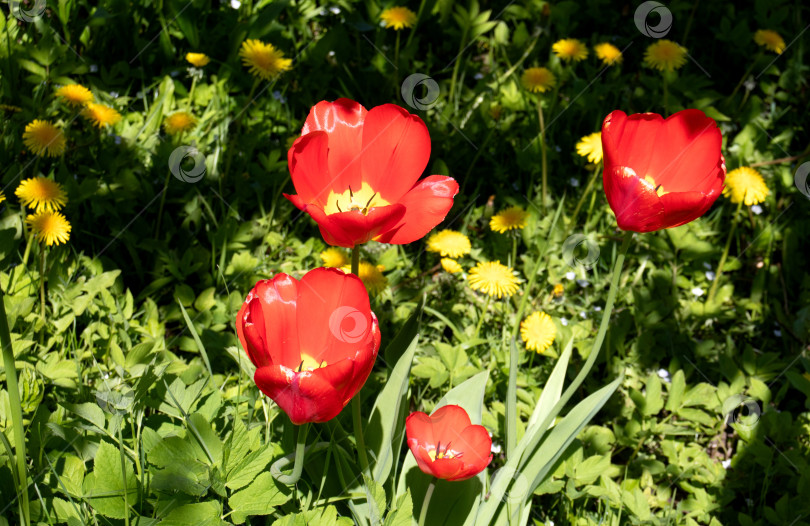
350 201
650 183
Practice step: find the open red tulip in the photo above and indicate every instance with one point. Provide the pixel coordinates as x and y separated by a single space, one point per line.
313 342
356 174
447 445
661 173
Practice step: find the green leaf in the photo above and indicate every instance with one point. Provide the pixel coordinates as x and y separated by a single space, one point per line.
105 487
402 514
375 494
676 389
553 389
260 498
384 429
206 437
245 472
653 403
201 514
89 411
322 517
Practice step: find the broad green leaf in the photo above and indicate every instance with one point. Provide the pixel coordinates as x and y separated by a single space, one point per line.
206 437
260 498
653 402
553 388
676 389
322 517
191 477
201 514
106 486
245 472
402 514
384 430
89 411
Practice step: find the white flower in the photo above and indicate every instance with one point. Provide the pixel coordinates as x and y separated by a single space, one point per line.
697 291
777 333
495 449
583 314
574 182
478 76
597 308
564 322
707 265
663 374
725 463
93 68
710 275
570 275
583 283
236 4
335 10
279 97
756 209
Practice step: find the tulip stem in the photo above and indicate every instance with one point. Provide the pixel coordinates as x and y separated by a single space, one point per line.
426 502
16 412
358 422
719 273
298 466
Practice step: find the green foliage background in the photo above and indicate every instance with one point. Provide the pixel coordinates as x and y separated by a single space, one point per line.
137 413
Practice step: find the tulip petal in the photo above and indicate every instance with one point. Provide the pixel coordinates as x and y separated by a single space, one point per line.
304 396
683 207
276 301
343 122
307 160
419 430
396 149
334 317
447 468
426 205
347 229
476 445
689 153
636 205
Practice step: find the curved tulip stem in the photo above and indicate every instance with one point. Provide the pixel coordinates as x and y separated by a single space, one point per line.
16 412
298 467
713 289
426 502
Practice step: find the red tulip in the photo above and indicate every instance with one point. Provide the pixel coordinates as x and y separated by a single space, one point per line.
446 445
356 174
312 341
661 173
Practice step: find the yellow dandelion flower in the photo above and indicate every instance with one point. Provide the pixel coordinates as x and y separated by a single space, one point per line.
264 60
569 49
179 122
75 94
41 194
449 265
50 227
449 243
608 53
665 55
558 291
333 257
771 40
371 276
42 137
510 218
398 18
100 115
538 331
590 146
538 80
197 60
747 185
493 279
